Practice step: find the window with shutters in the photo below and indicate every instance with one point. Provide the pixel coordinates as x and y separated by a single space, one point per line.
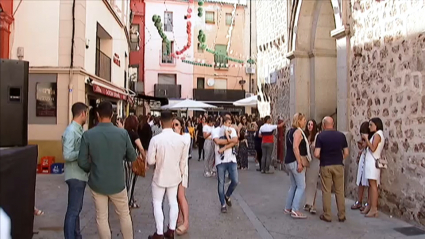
200 84
209 17
167 59
229 19
221 57
168 21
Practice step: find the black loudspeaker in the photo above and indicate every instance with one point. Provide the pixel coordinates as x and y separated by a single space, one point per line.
13 103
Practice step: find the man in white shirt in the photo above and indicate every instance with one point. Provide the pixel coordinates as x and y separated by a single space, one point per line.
225 138
208 147
166 150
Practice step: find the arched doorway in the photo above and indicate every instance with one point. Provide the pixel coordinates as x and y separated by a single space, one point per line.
315 60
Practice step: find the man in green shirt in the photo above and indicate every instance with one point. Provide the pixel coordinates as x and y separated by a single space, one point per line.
103 149
75 177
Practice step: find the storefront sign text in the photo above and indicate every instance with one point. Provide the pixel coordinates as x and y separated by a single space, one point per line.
108 92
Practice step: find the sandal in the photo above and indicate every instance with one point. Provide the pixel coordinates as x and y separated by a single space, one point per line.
356 205
307 207
298 215
181 230
287 211
363 207
134 205
38 212
313 210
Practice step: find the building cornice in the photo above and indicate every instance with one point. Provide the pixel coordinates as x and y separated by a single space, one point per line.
340 32
67 70
114 14
297 54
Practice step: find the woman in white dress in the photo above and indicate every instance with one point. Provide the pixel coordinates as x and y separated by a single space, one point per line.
361 180
374 150
183 219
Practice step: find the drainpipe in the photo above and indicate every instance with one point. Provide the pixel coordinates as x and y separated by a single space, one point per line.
71 66
250 42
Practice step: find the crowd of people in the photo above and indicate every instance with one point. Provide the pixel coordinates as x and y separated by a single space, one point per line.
102 157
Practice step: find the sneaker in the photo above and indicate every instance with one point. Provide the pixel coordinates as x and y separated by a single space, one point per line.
223 209
228 202
207 174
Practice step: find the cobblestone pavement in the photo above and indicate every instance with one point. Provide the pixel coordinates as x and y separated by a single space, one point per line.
257 211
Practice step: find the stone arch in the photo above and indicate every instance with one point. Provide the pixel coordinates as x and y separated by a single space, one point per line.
313 55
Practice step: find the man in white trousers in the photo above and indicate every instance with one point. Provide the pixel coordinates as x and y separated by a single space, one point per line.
166 151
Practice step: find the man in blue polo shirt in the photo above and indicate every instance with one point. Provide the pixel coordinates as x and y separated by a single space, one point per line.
331 149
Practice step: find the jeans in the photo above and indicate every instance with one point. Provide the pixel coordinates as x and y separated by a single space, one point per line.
75 205
267 149
231 168
297 189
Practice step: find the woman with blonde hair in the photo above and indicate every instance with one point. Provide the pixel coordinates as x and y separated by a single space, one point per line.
297 158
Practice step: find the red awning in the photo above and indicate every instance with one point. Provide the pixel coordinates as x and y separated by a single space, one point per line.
111 91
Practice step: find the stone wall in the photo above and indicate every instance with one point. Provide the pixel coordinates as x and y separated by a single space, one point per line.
387 80
271 26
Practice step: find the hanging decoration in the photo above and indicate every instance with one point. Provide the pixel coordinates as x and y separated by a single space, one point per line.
189 33
202 38
197 63
157 20
200 8
229 34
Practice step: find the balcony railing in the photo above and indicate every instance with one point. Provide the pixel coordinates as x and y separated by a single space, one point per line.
221 59
103 65
218 95
166 59
168 91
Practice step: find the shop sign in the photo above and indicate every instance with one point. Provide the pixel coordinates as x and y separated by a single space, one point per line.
46 99
117 59
108 92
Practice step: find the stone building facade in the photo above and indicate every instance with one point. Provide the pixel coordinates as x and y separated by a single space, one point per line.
355 60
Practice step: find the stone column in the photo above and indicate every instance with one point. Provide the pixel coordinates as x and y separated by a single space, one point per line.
299 82
341 34
323 86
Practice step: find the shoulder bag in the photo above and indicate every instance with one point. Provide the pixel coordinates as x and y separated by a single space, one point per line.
139 166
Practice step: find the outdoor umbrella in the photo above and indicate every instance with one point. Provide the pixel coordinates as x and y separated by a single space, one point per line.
189 105
250 101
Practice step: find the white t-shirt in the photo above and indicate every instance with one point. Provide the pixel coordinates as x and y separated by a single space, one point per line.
228 154
208 129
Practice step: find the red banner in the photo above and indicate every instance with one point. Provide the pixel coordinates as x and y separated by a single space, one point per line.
108 92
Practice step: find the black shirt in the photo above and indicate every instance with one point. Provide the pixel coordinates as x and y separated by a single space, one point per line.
199 128
290 155
331 144
145 135
133 137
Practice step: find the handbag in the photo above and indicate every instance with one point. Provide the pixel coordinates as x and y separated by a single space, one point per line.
381 162
139 166
309 158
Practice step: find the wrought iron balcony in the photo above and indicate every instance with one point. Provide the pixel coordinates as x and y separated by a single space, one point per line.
218 95
168 91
